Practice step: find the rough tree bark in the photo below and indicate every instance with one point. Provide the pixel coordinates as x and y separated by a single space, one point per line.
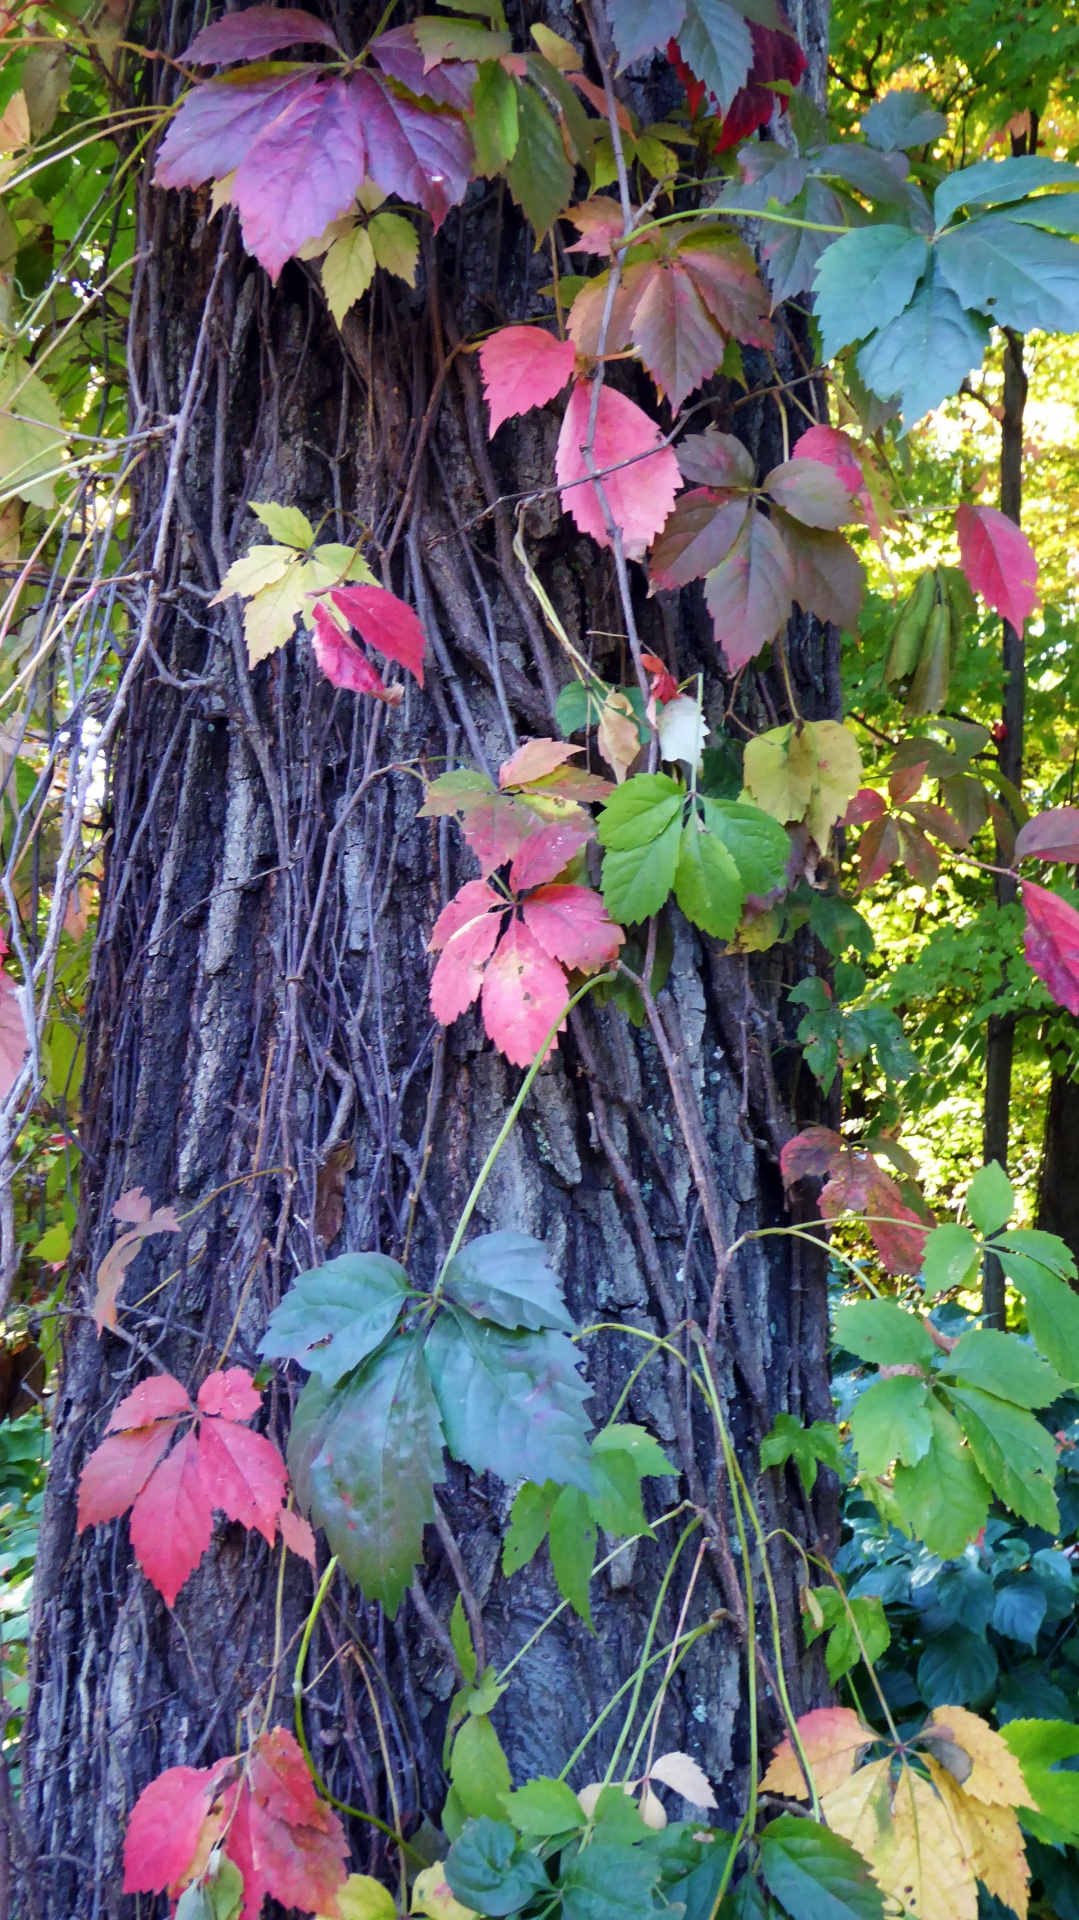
260 1051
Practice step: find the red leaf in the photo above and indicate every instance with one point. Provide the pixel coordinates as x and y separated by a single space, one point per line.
866 805
675 334
664 684
295 1845
255 33
344 664
523 367
230 1392
12 1036
424 157
158 1398
598 221
1050 836
697 537
999 562
534 761
459 974
117 1471
216 124
243 1474
172 1520
163 1831
386 623
545 853
1051 943
878 850
640 495
749 593
858 1185
571 925
524 991
471 900
827 576
836 449
904 783
448 85
812 1151
302 171
498 829
297 1535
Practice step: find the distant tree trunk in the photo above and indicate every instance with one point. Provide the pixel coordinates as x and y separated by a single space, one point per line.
1058 1187
261 1050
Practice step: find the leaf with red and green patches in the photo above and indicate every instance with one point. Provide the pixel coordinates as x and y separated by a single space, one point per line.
535 761
749 594
545 853
698 536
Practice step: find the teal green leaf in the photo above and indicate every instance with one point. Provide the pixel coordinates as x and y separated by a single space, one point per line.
573 1549
494 118
865 280
305 1436
616 1504
958 1668
607 1882
806 1446
505 1277
707 884
890 1421
1014 1452
886 1334
334 1316
479 1768
511 1403
1016 274
544 1807
1001 1363
1058 212
372 1479
714 41
487 1870
530 1517
990 1198
901 120
952 1256
925 354
994 182
646 1453
944 1499
816 1874
539 175
461 1635
1020 1608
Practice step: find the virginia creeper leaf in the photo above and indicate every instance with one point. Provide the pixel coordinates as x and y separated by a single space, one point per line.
163 1831
230 1392
890 1421
990 1198
159 1397
1050 836
1051 943
1015 273
999 562
544 855
816 1873
334 1316
487 1871
243 1474
172 1520
865 280
885 1333
302 171
217 123
511 1403
539 175
253 33
749 594
386 623
1001 1364
715 42
901 120
479 1768
523 367
641 829
118 1469
639 493
944 1499
698 536
523 993
924 354
571 925
952 1258
505 1277
994 182
1013 1451
810 490
573 1549
707 884
344 663
348 269
468 934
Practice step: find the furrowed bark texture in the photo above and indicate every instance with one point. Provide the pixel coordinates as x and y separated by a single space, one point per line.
261 1054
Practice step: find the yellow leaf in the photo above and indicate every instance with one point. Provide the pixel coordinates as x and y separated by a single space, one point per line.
14 123
396 244
257 568
554 47
362 1898
838 776
31 435
269 617
990 1838
369 196
337 229
924 1864
221 192
996 1776
808 773
348 270
617 736
859 1809
431 1895
831 1737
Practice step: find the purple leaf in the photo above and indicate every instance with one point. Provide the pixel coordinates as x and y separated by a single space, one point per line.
424 157
303 170
1050 836
215 126
449 85
255 33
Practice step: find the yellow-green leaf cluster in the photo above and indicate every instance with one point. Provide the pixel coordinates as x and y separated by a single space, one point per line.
279 581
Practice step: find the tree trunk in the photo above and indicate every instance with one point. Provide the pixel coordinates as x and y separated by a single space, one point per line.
261 1055
1058 1189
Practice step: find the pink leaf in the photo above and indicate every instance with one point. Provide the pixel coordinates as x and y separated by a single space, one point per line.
133 1207
812 491
836 449
1050 836
459 974
164 1828
448 85
523 367
545 853
866 805
117 1471
571 925
524 991
534 761
497 830
999 562
386 623
172 1520
598 221
158 1398
217 123
1051 943
255 33
230 1392
243 1474
297 1535
423 156
640 495
12 1036
294 1845
343 663
302 171
471 900
675 334
749 593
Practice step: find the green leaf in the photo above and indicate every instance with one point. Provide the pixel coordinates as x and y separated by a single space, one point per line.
544 1807
707 884
1015 273
863 281
616 1815
885 1333
616 1503
1052 1307
487 1870
715 42
925 354
957 1669
372 1475
396 244
335 1315
573 1549
890 1421
608 1882
287 525
639 811
505 1277
790 1440
952 1257
461 1635
646 1453
816 1874
1039 1746
494 119
31 435
990 1198
479 1768
994 182
1059 212
640 827
511 1403
1014 1451
1002 1364
756 843
530 1517
539 175
348 269
851 1622
943 1500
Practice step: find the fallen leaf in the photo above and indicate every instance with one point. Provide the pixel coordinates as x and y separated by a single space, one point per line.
616 734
